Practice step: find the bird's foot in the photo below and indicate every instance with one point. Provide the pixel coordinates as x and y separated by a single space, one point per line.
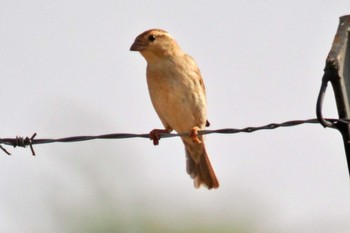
155 135
194 135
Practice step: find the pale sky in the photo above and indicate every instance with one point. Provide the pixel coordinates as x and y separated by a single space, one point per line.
66 70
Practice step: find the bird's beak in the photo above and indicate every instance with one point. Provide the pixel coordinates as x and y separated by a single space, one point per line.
137 46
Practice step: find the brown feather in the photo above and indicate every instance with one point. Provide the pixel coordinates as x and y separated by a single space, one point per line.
199 166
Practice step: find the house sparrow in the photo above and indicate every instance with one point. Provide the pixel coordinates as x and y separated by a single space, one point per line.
177 92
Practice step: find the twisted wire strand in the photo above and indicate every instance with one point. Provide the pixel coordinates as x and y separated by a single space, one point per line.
30 141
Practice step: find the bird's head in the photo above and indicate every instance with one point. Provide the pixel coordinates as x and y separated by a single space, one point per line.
155 44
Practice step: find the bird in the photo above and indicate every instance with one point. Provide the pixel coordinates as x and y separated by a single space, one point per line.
178 95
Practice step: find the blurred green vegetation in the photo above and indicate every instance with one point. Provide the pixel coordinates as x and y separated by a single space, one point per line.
110 223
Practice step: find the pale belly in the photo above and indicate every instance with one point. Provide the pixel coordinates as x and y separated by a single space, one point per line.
180 104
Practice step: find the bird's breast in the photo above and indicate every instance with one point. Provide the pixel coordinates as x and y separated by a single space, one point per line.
177 97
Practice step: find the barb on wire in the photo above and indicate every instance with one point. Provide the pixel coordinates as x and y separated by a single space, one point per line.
4 150
24 142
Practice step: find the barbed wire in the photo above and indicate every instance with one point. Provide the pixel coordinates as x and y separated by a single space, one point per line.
30 141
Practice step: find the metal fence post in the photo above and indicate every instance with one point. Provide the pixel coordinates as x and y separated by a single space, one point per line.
337 71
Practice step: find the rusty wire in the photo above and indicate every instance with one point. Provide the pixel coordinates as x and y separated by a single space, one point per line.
30 141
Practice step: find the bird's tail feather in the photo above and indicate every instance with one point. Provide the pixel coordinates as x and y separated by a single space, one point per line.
199 166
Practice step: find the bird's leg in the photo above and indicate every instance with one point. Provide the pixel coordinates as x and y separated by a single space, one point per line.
155 136
194 135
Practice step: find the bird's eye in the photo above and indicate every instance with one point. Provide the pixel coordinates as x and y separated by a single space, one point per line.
151 38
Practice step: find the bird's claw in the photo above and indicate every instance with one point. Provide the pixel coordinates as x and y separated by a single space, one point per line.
194 135
155 135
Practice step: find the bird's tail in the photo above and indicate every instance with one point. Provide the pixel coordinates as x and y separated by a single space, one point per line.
199 166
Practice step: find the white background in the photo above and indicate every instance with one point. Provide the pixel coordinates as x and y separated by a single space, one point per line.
66 70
